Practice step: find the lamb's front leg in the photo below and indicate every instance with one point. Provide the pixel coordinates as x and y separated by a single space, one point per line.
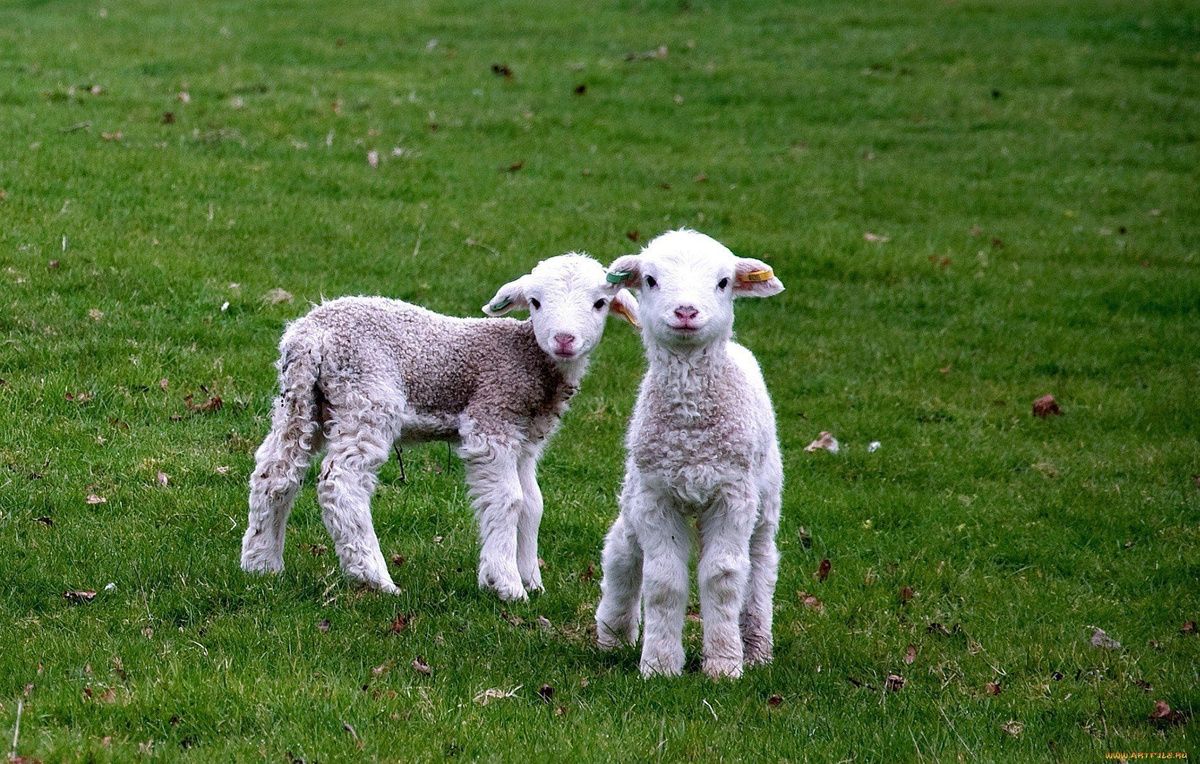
495 486
724 568
666 545
528 523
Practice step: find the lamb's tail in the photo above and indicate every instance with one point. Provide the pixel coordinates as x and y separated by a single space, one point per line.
283 458
296 418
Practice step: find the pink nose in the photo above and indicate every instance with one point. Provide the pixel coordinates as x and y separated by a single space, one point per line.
686 312
564 340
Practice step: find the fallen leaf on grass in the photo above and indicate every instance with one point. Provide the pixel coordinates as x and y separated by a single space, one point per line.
1143 684
1102 640
323 626
875 238
162 478
1162 714
502 70
1012 727
894 682
937 628
823 570
546 692
45 521
316 550
910 655
588 574
805 538
277 296
399 623
1188 627
373 158
83 397
421 667
906 594
1045 406
775 701
580 89
94 499
184 97
382 668
515 620
80 596
515 166
946 369
212 404
825 441
495 693
632 235
398 560
811 602
112 136
168 118
993 688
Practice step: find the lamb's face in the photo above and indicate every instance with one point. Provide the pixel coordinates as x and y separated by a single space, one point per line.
568 300
686 285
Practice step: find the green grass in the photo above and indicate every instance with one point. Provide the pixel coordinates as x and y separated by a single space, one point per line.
1067 133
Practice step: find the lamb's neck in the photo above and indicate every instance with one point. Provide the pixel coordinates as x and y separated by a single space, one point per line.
683 378
572 372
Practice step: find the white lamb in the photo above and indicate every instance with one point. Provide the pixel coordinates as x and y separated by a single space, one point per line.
358 374
701 446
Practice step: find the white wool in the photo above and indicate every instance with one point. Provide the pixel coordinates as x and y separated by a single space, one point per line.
702 449
360 374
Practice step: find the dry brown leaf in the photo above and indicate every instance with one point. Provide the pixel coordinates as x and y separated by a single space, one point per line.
906 594
421 667
825 441
1189 627
373 158
503 70
910 655
1012 727
1103 641
79 596
823 570
993 688
632 235
112 136
775 701
546 692
894 682
94 499
212 404
875 238
277 296
811 602
588 574
323 626
1163 714
1045 406
398 560
162 478
399 623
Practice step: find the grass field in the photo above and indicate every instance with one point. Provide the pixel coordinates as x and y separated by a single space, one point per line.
1034 167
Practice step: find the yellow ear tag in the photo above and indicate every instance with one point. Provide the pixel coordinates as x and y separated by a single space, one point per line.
756 277
619 308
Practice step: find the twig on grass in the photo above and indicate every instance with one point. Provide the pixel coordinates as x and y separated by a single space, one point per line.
17 727
954 729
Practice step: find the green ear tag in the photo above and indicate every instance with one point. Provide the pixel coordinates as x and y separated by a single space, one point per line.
616 277
500 305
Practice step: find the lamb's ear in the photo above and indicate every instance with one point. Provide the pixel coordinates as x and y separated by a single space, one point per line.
511 296
754 278
624 306
625 272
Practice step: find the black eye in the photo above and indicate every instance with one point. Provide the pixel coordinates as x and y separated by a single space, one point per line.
650 282
722 283
534 304
599 305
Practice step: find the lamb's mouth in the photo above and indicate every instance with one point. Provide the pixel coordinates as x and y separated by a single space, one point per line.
685 329
564 355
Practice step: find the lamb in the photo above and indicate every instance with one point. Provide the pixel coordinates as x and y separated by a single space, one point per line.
359 374
701 446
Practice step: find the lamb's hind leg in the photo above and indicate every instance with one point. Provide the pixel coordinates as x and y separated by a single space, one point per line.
359 444
758 610
280 465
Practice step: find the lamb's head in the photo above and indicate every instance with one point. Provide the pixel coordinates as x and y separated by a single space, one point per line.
568 299
686 283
